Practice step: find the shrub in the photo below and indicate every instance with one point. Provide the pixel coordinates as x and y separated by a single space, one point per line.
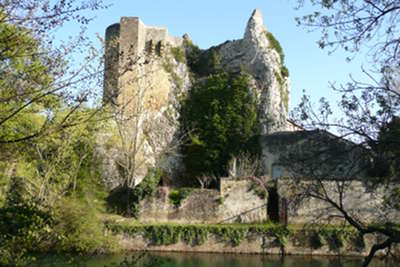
284 71
78 227
24 226
176 196
124 200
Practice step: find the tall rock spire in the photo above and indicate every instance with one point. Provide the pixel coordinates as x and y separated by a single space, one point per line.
255 29
257 57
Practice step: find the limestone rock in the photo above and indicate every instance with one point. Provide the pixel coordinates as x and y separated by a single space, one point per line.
254 55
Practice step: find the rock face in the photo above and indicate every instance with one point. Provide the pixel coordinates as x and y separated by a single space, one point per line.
255 55
146 73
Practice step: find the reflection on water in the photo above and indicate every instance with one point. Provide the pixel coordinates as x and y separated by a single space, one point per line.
164 259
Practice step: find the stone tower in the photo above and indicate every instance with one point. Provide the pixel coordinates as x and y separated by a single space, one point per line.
131 44
142 84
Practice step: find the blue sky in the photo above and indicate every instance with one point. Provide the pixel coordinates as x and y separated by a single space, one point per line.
212 22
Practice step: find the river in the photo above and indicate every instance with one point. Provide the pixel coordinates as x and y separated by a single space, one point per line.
154 259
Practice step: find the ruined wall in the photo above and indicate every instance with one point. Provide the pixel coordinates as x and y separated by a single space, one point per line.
235 202
360 201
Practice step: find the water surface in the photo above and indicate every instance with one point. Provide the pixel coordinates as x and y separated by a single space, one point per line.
165 259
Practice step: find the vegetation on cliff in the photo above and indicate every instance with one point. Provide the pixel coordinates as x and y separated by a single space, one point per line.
274 44
221 113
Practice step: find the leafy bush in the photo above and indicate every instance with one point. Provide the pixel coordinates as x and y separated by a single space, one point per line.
284 71
202 63
316 240
79 228
24 226
176 196
222 114
124 200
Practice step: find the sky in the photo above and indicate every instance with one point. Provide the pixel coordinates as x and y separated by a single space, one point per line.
213 22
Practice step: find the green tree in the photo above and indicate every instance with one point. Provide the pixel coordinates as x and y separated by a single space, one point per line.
35 77
42 95
222 114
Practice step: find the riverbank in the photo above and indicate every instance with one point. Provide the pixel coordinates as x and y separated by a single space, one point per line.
244 238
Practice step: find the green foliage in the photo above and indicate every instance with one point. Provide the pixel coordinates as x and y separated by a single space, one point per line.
176 196
79 228
125 200
222 114
284 71
274 43
316 240
334 237
282 91
359 242
179 54
202 63
47 205
197 234
232 234
23 79
393 199
24 225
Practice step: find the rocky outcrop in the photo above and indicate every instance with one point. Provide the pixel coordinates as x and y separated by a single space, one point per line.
256 56
147 73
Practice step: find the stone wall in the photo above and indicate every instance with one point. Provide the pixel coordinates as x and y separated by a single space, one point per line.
359 201
235 201
314 153
299 242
